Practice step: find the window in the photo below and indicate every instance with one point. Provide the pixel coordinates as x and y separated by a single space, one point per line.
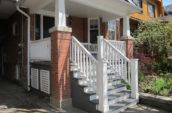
38 27
151 10
42 26
138 3
112 29
93 30
48 22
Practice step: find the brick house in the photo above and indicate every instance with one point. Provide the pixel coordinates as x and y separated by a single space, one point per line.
67 49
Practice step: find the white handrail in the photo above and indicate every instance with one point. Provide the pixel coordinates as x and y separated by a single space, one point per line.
117 61
120 45
86 64
84 49
117 50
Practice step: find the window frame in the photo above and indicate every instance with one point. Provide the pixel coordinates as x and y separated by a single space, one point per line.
89 19
154 6
41 26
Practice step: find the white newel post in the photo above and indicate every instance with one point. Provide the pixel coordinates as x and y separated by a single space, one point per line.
60 14
102 79
134 79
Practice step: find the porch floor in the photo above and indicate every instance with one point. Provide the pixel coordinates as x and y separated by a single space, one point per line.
14 99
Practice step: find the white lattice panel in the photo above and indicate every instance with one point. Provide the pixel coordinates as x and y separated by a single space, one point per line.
45 81
34 78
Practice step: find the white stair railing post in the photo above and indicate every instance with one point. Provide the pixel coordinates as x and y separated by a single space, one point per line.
102 79
134 79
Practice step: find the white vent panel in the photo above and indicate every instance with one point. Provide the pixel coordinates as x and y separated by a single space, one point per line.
34 78
45 81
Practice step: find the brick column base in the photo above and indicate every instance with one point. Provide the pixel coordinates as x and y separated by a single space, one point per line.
129 46
60 79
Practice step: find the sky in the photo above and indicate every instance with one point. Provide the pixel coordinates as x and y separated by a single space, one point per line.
167 2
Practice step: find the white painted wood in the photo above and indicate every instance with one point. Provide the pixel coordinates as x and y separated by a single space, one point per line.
60 14
126 26
134 79
120 45
93 48
102 79
45 81
85 62
40 49
35 78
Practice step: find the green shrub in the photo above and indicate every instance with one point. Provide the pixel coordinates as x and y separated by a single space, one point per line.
158 85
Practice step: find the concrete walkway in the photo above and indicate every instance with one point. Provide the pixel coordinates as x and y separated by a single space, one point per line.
14 99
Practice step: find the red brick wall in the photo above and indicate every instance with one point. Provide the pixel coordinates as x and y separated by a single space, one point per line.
79 27
60 78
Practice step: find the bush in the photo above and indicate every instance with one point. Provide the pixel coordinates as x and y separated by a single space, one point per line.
154 38
158 85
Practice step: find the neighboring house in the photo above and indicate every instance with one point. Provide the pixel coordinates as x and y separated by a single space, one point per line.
67 50
168 9
150 9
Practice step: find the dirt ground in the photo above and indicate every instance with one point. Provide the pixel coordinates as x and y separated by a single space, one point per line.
14 99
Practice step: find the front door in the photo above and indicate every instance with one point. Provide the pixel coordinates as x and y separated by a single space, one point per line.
93 29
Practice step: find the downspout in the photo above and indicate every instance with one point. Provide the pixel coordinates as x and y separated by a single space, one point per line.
28 45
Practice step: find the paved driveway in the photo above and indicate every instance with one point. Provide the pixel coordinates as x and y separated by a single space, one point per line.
14 99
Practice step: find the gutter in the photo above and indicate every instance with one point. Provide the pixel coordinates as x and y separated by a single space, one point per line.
131 4
28 45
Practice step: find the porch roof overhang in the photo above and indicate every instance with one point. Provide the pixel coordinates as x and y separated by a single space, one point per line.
85 8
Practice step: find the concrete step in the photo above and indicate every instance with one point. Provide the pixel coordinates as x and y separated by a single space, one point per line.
121 96
122 105
117 89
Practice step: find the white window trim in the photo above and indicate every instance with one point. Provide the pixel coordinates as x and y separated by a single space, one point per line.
97 18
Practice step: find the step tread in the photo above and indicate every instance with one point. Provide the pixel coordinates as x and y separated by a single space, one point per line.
122 105
95 101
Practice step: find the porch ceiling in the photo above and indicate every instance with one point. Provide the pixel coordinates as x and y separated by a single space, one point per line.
107 9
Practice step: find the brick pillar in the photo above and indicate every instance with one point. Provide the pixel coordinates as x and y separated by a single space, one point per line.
129 46
60 79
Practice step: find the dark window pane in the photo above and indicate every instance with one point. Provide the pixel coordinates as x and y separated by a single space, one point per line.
38 27
93 36
48 22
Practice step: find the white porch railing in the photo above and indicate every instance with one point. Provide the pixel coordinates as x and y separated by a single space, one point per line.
120 45
85 62
40 49
111 58
93 48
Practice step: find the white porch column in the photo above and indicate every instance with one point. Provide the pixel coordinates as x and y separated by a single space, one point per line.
126 26
60 14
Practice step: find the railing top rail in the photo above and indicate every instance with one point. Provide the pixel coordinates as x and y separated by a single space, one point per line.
84 49
117 50
116 41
